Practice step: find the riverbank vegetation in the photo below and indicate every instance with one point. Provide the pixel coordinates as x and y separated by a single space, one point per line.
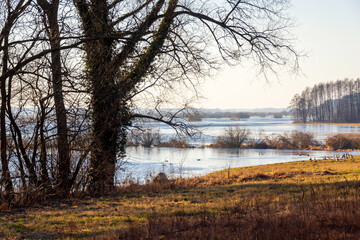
236 137
292 140
296 200
240 138
343 141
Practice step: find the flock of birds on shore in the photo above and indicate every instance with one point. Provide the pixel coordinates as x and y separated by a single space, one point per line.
338 157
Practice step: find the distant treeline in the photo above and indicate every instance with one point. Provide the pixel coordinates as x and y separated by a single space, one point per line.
328 102
198 115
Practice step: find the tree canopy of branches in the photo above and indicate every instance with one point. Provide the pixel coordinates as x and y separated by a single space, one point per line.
328 102
75 71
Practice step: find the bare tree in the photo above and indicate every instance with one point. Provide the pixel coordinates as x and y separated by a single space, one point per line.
135 41
328 102
12 13
52 28
125 51
299 107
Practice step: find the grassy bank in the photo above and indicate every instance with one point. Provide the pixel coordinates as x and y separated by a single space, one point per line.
297 200
328 123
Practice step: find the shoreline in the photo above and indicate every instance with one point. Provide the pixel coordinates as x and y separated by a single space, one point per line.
212 146
325 123
295 188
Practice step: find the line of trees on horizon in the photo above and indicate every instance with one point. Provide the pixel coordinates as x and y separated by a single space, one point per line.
199 114
337 101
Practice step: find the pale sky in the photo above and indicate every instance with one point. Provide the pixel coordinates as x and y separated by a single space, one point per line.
328 30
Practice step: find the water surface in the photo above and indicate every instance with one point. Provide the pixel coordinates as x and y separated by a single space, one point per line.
143 163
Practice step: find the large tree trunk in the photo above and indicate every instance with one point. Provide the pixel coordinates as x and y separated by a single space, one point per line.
109 88
62 143
104 98
63 179
104 118
105 135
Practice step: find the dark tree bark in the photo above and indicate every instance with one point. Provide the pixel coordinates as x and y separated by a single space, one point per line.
51 18
108 91
104 94
45 180
9 190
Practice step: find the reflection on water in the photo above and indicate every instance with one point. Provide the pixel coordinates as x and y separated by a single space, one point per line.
146 162
212 127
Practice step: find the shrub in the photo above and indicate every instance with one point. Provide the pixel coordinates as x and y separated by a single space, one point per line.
144 137
257 144
175 142
293 140
232 137
341 141
302 140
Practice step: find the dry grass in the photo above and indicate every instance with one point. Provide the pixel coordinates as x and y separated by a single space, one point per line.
341 141
346 134
298 200
326 123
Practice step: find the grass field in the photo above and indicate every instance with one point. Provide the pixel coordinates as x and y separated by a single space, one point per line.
297 200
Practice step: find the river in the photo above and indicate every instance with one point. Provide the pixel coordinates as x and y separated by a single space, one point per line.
143 163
